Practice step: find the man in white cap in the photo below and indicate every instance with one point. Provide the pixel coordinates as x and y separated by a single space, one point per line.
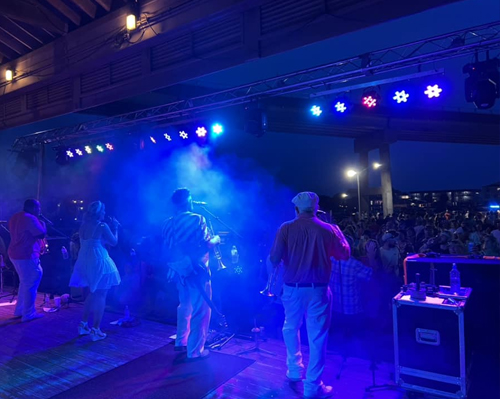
305 245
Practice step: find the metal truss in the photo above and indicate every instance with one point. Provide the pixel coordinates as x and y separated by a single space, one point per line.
461 43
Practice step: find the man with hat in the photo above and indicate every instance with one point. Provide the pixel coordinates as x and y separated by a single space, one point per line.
305 245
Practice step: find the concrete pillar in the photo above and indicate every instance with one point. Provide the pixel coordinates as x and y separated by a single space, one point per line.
363 181
385 160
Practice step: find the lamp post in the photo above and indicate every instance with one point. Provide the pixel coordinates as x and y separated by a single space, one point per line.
351 173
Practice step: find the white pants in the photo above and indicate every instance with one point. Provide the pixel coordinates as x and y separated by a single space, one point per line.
30 274
193 317
315 305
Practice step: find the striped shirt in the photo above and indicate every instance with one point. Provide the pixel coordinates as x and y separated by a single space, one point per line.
188 234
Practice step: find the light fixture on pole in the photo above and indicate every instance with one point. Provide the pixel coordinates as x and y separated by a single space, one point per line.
351 173
133 15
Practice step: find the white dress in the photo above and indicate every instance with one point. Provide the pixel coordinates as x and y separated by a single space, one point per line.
94 268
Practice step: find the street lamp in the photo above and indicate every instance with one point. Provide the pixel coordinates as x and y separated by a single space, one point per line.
351 173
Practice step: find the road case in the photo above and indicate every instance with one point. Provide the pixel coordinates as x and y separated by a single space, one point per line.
431 354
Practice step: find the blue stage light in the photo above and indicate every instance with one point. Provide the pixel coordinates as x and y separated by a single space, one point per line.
433 91
401 96
217 128
340 107
316 110
201 131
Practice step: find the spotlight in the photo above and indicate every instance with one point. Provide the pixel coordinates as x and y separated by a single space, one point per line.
482 87
370 99
70 154
88 149
110 146
201 131
217 128
183 134
340 107
316 110
99 148
167 137
255 120
153 140
9 75
401 96
433 91
79 152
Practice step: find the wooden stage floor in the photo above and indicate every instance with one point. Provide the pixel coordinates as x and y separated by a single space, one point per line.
45 357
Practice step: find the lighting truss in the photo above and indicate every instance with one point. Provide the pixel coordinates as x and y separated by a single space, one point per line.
460 43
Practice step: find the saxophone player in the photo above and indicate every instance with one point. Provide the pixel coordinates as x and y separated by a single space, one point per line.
186 236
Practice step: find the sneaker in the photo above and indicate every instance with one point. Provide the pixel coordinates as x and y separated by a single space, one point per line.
323 391
180 348
96 334
83 328
294 377
34 316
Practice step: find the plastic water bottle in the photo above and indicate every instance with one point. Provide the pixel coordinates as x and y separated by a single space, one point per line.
235 256
64 253
455 280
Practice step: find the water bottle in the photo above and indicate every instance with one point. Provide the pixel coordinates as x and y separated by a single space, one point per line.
235 256
64 253
454 280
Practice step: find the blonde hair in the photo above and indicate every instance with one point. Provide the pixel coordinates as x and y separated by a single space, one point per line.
93 211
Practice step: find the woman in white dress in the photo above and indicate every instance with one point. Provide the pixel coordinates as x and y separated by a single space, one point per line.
94 268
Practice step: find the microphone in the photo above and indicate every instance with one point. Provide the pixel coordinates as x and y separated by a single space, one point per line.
321 212
112 218
201 203
40 216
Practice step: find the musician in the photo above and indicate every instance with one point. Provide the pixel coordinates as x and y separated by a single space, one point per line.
186 234
305 245
27 233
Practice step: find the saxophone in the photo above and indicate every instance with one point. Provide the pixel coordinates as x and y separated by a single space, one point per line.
218 254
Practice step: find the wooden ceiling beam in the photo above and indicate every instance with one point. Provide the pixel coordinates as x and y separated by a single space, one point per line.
106 4
33 13
87 7
66 11
12 42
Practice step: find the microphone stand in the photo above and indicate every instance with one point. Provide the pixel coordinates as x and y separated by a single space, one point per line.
215 217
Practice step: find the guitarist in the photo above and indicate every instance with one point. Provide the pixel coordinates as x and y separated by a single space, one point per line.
187 242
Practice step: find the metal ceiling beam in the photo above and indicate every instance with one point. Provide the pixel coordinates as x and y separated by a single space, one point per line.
86 6
414 54
106 4
180 40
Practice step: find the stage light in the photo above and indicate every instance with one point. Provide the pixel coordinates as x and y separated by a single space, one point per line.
340 107
183 134
351 173
153 140
401 96
9 75
201 132
99 148
482 87
217 128
377 165
88 150
131 22
167 137
495 207
316 110
69 153
79 152
433 91
370 99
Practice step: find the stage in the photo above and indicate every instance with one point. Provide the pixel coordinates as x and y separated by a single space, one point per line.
46 358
